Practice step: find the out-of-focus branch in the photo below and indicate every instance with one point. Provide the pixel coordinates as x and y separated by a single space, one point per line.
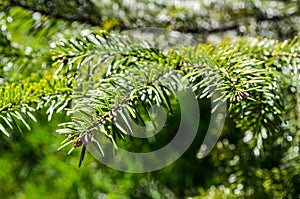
84 18
95 19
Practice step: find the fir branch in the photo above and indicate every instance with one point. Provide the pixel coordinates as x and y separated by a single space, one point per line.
21 100
111 97
99 49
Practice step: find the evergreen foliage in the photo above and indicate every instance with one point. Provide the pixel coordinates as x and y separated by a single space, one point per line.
67 57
